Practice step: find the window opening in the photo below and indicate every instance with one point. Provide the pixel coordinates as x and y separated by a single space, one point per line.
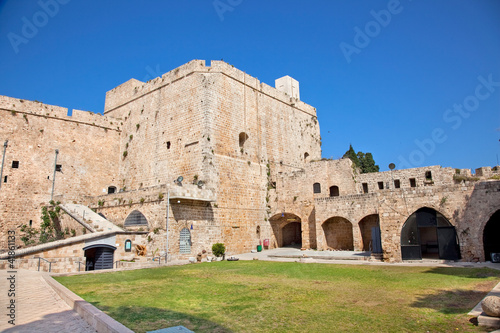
5 179
365 187
59 167
15 164
413 182
334 191
168 144
242 139
111 189
397 183
317 188
428 176
380 185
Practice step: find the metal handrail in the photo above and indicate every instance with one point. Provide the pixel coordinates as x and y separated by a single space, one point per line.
50 263
79 262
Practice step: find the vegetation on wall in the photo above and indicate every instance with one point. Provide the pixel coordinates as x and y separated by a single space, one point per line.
364 161
50 228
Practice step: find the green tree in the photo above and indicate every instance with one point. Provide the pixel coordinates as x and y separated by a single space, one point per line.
351 154
363 161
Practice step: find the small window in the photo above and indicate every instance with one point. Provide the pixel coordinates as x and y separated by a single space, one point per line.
31 223
317 188
428 176
59 167
306 157
5 179
128 245
111 189
413 182
334 191
242 139
365 187
397 183
168 144
380 185
15 164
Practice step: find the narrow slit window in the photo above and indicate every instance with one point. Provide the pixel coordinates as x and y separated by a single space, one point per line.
365 187
168 144
5 179
15 164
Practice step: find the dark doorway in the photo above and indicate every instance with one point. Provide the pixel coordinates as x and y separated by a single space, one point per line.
99 256
428 234
491 236
292 234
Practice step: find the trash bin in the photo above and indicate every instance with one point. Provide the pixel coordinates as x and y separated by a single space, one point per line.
259 248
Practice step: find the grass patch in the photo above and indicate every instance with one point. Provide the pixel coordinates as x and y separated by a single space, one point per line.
251 296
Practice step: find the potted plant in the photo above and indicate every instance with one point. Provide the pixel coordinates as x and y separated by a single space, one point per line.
219 250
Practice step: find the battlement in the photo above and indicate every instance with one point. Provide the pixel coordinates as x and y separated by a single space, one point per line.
134 89
16 106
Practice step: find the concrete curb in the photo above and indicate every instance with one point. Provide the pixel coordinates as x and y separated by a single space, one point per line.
100 321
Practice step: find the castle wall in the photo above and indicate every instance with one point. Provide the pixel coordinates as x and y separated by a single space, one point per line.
88 155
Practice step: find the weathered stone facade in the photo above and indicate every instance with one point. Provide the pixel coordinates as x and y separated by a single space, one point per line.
250 158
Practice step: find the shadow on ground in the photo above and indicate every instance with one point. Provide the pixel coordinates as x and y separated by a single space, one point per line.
471 273
143 319
64 321
450 301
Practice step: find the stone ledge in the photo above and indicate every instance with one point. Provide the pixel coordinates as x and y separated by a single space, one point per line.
100 321
482 318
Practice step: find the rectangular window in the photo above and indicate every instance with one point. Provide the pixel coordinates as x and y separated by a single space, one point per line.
413 182
59 167
5 179
397 183
380 185
15 164
365 187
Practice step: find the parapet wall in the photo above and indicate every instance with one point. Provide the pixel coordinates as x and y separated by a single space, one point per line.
35 108
134 89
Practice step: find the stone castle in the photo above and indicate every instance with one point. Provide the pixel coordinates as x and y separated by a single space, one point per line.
206 154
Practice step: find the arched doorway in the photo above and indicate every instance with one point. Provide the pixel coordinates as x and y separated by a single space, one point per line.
369 227
287 229
136 218
99 256
185 241
338 234
428 234
491 236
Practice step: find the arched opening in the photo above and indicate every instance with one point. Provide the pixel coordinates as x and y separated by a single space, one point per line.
287 229
334 191
111 189
317 188
338 234
136 218
243 137
99 256
369 227
428 234
185 241
491 236
306 157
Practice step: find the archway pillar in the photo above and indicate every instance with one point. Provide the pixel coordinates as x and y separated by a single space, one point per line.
356 237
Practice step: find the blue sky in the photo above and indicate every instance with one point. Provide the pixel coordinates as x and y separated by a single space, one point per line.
415 83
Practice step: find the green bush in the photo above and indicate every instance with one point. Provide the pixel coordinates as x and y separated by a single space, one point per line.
218 249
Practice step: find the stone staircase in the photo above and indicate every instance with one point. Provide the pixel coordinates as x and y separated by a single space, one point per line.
89 219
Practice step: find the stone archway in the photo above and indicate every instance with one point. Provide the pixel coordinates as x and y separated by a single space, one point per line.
491 236
365 227
428 234
338 234
287 230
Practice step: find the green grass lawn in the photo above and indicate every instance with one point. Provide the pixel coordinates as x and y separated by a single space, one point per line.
257 296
